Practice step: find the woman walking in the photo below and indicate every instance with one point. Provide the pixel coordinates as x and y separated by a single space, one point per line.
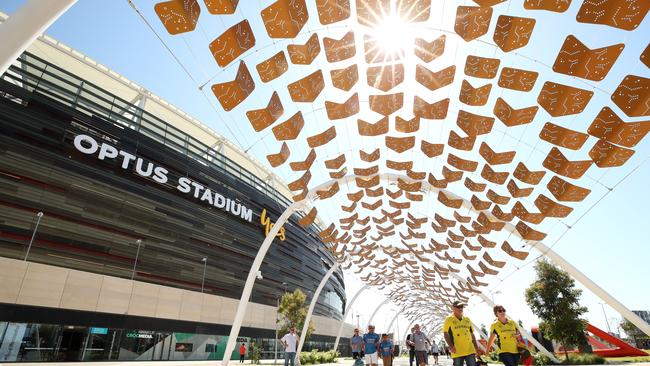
505 332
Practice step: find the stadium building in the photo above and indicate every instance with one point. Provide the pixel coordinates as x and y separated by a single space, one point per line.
127 228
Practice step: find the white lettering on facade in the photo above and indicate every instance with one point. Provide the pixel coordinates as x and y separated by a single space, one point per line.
89 146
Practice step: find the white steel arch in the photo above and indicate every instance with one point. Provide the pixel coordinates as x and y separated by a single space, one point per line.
21 29
345 315
377 310
312 305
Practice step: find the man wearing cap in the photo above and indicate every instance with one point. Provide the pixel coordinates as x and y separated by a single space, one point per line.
370 345
459 335
420 344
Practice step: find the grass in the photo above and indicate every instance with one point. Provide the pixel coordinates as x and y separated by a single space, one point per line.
620 360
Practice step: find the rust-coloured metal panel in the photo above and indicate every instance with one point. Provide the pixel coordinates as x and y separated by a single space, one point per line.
232 43
633 96
563 100
178 16
609 127
285 18
517 79
576 59
623 14
272 67
512 33
231 93
304 54
429 51
332 11
472 21
474 96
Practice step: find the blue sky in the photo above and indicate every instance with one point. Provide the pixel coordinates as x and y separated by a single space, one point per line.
609 244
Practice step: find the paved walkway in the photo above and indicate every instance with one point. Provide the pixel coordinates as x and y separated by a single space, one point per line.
401 361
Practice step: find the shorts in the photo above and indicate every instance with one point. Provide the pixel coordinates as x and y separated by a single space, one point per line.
356 355
421 357
509 359
434 353
371 358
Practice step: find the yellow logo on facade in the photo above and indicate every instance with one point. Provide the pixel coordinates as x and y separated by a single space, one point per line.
268 225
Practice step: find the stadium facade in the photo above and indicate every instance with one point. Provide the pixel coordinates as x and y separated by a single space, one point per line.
127 228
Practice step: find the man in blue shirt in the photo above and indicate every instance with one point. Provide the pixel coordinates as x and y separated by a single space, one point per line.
370 345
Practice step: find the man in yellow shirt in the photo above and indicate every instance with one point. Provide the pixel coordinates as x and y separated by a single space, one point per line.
505 332
459 335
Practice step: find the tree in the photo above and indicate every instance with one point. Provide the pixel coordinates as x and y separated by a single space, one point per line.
632 330
293 312
555 300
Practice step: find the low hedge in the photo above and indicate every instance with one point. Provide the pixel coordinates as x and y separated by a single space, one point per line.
315 357
574 359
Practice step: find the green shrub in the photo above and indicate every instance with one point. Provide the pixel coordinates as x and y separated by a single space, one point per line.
315 357
584 359
541 359
574 359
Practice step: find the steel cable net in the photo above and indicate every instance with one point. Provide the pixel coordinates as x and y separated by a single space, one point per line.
467 131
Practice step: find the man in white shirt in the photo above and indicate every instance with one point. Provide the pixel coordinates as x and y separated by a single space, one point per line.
290 342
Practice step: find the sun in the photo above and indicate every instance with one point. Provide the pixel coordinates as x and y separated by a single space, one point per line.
392 34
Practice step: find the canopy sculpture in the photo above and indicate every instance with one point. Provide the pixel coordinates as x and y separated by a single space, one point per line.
447 154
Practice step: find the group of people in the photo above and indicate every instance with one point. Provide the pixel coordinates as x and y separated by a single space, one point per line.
371 346
289 342
459 342
459 335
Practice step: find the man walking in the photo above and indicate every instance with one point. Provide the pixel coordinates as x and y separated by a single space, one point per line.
409 344
435 351
370 346
289 341
355 344
459 335
420 343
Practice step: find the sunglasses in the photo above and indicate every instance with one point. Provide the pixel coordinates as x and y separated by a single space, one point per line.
501 311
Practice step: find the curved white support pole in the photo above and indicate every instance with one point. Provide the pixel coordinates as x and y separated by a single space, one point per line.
312 305
30 21
592 286
345 315
377 310
408 331
521 329
390 325
250 281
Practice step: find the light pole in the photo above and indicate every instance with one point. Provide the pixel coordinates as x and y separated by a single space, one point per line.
38 221
609 330
135 263
205 264
358 321
277 313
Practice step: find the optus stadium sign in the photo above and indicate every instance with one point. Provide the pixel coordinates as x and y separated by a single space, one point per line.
159 174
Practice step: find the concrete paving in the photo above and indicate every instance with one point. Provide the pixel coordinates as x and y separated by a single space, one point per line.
400 361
